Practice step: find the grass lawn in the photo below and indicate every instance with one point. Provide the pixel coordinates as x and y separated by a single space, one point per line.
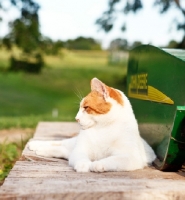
26 99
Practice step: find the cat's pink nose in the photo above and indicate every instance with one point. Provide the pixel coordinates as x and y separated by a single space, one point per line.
77 120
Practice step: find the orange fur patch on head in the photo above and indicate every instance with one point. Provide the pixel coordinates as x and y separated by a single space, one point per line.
94 103
115 95
106 91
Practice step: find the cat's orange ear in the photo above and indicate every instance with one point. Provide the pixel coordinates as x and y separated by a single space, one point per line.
97 85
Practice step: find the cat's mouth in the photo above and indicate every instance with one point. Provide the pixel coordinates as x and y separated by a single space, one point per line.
84 127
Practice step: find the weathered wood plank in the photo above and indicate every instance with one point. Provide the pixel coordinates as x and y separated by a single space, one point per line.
56 130
56 169
36 177
28 187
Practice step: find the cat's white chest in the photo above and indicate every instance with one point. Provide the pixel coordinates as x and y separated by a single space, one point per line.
99 143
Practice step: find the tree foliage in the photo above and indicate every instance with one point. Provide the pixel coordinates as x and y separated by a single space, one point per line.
50 47
82 43
24 31
107 20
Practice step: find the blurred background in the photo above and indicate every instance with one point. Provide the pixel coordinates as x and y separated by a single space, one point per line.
49 51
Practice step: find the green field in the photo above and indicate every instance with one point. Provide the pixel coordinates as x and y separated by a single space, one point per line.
26 99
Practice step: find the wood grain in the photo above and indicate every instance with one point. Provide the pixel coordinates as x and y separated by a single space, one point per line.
34 177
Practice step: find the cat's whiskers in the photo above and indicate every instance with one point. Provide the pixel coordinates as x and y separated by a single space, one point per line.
78 93
76 103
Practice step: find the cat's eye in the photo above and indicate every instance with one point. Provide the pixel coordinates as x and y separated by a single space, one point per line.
86 107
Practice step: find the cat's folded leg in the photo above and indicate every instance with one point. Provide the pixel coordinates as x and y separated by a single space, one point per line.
57 149
36 144
53 152
80 162
116 163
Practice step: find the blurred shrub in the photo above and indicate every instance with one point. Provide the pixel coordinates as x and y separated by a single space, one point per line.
31 64
9 153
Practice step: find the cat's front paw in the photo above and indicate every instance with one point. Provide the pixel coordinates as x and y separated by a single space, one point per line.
34 145
45 152
97 166
82 166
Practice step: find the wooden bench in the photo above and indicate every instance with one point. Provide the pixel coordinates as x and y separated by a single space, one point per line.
35 177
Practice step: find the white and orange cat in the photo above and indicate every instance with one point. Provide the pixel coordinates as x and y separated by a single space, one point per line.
109 138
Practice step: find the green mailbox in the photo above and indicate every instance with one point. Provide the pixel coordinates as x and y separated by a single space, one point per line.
156 89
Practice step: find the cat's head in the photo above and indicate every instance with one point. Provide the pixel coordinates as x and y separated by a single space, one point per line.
100 106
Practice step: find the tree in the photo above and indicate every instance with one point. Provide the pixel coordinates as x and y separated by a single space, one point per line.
106 21
24 31
172 44
82 43
51 47
135 44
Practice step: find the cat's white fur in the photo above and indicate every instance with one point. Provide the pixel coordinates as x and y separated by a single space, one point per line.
106 142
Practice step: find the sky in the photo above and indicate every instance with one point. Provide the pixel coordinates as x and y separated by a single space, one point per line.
61 19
